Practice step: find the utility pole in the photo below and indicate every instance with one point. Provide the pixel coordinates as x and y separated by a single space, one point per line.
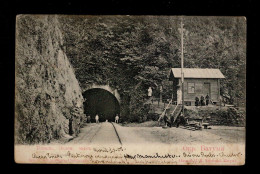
161 90
182 73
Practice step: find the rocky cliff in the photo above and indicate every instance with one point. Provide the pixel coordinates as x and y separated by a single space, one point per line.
48 98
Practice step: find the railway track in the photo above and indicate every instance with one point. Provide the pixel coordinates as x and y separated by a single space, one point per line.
116 133
94 134
100 134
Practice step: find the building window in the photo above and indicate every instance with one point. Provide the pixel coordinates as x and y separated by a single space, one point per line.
191 88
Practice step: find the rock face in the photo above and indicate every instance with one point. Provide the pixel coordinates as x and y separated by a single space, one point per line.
48 98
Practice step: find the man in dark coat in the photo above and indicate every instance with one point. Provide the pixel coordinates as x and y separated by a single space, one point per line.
180 120
207 99
202 103
197 100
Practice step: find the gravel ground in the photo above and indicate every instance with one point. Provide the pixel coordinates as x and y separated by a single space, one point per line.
217 134
104 134
99 134
87 134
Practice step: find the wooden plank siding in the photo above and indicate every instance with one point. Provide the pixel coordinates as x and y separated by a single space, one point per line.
199 89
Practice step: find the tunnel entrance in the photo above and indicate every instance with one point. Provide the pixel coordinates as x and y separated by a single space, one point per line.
102 102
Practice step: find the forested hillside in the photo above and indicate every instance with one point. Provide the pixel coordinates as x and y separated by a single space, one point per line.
132 53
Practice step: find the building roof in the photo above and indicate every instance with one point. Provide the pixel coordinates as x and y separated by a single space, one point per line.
197 73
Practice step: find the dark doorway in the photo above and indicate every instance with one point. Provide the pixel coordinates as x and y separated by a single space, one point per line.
101 102
207 89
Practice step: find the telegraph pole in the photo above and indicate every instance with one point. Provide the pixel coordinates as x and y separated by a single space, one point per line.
182 73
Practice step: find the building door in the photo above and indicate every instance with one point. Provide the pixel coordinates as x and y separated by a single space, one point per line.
207 89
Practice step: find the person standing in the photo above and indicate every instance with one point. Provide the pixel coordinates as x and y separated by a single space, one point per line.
202 103
180 120
116 118
89 119
207 99
150 92
197 100
97 118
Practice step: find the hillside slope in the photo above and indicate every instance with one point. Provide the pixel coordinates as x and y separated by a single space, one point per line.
48 99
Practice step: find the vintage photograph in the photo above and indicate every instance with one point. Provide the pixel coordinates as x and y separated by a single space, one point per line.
122 89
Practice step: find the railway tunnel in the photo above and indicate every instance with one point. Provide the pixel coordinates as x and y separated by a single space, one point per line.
102 102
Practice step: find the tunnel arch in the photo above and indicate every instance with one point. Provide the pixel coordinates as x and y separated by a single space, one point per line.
102 102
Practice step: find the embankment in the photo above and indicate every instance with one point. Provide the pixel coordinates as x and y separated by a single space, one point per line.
224 116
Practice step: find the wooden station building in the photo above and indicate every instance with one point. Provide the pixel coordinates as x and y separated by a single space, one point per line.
197 83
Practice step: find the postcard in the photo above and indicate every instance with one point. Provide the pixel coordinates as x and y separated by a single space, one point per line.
131 90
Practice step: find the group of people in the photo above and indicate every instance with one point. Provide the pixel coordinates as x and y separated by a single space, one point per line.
89 119
201 101
97 119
